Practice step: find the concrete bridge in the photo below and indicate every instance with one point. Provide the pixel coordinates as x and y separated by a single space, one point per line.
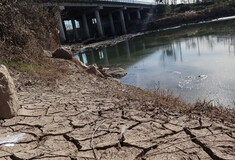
99 18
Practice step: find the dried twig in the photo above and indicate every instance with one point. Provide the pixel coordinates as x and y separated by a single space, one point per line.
92 137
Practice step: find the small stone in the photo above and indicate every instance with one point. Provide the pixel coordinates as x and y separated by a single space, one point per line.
79 63
93 69
116 72
47 53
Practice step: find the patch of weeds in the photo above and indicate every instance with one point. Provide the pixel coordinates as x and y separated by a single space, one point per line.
146 95
45 70
29 68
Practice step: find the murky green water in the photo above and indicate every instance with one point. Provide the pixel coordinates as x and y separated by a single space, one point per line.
194 61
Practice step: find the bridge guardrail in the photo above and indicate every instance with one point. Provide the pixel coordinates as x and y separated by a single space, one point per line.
127 1
118 1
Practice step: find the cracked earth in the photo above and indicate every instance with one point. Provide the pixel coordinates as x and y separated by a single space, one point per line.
81 117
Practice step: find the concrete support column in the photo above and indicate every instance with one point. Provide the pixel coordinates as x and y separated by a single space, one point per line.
99 24
74 30
122 22
138 14
61 27
85 26
128 16
65 30
111 23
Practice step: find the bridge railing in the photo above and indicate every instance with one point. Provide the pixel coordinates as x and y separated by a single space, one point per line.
128 1
93 1
124 1
120 1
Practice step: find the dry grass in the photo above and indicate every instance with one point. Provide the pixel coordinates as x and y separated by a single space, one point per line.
164 102
25 31
175 18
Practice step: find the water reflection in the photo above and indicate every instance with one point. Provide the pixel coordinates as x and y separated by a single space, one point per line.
128 49
106 57
84 59
195 62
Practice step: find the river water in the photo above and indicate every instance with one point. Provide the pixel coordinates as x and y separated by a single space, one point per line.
196 62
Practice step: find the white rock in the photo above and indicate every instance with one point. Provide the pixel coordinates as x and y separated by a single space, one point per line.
8 101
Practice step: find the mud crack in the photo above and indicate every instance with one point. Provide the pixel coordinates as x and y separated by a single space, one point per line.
145 150
73 140
204 147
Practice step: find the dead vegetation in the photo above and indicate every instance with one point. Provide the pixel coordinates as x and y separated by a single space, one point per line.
165 103
192 15
25 32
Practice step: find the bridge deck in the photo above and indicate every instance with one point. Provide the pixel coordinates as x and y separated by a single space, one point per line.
97 3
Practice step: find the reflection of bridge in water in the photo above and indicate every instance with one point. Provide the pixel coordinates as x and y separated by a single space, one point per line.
127 53
135 50
99 18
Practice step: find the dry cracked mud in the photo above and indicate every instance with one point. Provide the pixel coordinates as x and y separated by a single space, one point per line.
81 117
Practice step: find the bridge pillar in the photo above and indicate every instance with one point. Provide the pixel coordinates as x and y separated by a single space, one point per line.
74 30
65 30
99 24
138 14
111 23
122 21
61 28
85 26
128 16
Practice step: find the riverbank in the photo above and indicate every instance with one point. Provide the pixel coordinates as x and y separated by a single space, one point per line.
66 113
82 116
81 48
176 15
